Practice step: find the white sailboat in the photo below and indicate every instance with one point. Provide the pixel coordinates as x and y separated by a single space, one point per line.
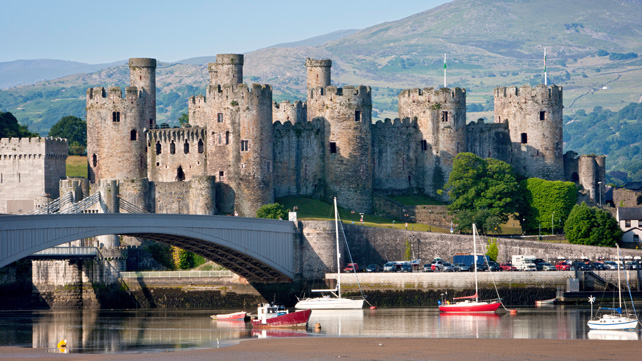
333 301
615 320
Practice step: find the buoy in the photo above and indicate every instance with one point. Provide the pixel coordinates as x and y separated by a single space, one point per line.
513 312
317 327
62 343
373 307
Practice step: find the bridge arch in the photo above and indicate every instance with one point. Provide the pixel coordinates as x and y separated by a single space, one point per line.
260 250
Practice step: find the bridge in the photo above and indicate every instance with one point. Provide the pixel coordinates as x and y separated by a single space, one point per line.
261 250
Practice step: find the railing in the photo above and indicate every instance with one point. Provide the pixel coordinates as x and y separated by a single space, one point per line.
68 251
177 274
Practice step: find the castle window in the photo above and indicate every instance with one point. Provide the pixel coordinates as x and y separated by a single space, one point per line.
333 147
172 148
180 175
542 115
186 148
524 138
444 116
357 116
220 138
219 117
227 138
244 145
575 178
158 148
133 135
115 117
94 160
200 146
221 175
424 145
151 122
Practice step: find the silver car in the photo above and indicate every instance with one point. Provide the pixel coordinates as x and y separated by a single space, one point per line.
445 267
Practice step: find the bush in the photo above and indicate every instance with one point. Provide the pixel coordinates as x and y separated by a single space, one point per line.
272 211
592 226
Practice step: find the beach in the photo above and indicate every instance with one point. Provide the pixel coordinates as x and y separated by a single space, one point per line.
365 348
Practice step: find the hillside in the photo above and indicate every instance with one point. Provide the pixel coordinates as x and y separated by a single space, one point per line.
592 52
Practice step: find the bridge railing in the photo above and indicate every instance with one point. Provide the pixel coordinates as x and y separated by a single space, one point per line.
177 274
68 251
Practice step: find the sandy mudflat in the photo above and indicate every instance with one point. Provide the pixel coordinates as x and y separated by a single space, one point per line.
327 348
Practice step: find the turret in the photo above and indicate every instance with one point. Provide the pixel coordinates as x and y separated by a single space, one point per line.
228 70
142 74
318 72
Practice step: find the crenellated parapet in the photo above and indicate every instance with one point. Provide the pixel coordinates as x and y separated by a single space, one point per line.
99 96
388 124
289 112
539 94
177 154
228 70
193 134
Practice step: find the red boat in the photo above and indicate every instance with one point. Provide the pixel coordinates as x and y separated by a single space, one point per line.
470 305
270 315
236 316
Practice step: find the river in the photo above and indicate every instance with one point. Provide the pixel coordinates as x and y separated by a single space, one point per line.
89 331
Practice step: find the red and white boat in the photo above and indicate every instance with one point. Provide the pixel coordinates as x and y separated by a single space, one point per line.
236 316
270 315
471 303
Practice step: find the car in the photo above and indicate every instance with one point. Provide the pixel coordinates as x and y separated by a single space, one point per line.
546 267
373 268
460 267
406 267
351 267
599 266
480 267
581 265
563 266
390 267
630 265
446 267
436 264
493 266
507 267
610 265
427 267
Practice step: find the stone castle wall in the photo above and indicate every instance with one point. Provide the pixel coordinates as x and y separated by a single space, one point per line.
176 154
489 140
396 150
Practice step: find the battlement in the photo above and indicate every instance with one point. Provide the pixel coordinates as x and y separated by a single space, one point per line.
289 112
286 105
348 91
432 95
131 93
318 63
176 134
396 123
240 91
142 63
314 124
47 146
231 59
540 92
198 100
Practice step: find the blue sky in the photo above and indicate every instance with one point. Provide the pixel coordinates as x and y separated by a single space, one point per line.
106 31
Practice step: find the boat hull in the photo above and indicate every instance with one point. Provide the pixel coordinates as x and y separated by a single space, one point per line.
297 319
613 323
323 303
237 316
466 307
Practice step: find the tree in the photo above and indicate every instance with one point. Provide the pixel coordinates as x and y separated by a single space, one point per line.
10 128
484 192
407 255
493 250
546 202
272 211
592 226
74 130
183 119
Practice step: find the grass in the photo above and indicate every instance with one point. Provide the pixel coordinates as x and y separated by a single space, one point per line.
417 200
77 166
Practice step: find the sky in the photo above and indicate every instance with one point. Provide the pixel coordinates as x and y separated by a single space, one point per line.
97 32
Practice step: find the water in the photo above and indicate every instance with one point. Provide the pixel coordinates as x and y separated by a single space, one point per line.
89 331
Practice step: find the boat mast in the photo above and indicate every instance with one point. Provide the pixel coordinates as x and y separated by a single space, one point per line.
475 260
619 289
336 227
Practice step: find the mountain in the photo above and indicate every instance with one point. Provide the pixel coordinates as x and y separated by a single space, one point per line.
21 72
592 49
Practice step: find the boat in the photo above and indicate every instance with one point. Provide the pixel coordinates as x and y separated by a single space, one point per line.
333 301
236 316
270 315
550 301
614 320
472 303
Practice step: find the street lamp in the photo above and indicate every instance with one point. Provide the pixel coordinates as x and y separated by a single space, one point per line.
523 226
599 194
552 223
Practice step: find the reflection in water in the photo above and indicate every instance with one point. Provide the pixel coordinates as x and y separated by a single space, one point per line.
136 331
612 335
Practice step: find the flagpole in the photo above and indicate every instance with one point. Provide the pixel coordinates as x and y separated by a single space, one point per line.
445 84
545 75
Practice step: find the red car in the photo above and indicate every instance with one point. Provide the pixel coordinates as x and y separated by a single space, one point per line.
507 267
563 266
351 267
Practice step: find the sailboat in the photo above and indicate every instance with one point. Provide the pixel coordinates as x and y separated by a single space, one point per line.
334 301
471 303
615 320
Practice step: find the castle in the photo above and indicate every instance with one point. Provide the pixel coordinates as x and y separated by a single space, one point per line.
242 150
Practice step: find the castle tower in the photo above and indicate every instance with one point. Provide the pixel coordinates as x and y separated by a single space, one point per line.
347 113
142 75
534 117
228 69
441 121
318 72
592 175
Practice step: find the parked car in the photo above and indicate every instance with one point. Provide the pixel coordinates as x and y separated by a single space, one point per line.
630 265
460 267
493 266
563 266
446 267
581 265
599 266
610 265
351 267
390 267
546 267
428 267
480 267
507 267
373 268
406 267
436 264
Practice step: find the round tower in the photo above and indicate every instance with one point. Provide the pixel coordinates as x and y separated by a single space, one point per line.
228 70
318 72
534 117
142 75
441 120
348 145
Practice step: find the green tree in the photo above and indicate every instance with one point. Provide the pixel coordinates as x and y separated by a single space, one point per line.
407 255
592 226
484 192
272 211
546 202
183 119
74 130
10 128
493 250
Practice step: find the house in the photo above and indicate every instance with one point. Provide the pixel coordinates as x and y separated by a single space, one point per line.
630 221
